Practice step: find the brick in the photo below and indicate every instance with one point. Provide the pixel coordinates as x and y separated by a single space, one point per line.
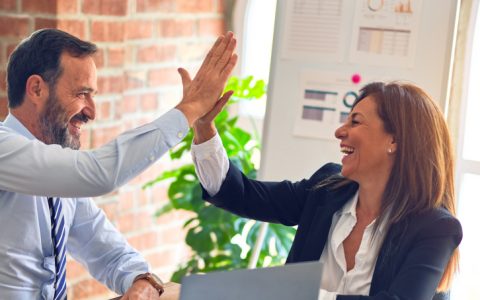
155 5
168 100
111 209
192 52
134 79
67 7
144 241
130 55
148 102
174 218
104 135
137 29
162 77
105 7
14 27
3 55
145 198
74 27
129 104
8 5
39 6
173 236
105 111
195 6
88 288
10 49
176 28
110 84
3 108
107 31
156 53
163 259
45 23
3 81
75 270
126 202
99 58
124 223
211 27
116 57
131 221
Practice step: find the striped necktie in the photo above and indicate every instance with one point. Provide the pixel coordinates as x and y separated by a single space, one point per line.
58 238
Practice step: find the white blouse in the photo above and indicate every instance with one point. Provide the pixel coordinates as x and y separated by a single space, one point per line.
211 164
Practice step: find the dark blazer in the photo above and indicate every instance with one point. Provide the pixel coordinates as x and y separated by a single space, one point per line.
411 259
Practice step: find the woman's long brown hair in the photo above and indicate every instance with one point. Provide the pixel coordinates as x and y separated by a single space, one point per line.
422 176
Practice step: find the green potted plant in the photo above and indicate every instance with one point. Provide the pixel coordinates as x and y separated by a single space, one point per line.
218 239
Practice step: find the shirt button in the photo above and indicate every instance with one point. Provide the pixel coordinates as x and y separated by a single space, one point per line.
151 158
179 134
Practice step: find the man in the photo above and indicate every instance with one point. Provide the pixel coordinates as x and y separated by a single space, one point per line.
52 81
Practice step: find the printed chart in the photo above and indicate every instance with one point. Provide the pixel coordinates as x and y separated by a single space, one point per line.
324 103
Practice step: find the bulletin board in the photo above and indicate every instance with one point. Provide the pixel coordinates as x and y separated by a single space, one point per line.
324 51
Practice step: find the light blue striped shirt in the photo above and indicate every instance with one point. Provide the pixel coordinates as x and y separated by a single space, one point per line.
29 167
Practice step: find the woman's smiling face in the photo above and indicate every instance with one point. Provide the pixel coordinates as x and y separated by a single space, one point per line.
368 148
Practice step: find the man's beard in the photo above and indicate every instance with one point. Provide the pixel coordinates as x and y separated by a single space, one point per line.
54 125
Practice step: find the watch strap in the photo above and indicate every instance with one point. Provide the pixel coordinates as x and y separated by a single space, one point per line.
153 279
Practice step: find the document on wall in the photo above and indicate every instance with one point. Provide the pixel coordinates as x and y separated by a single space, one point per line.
324 102
385 32
313 30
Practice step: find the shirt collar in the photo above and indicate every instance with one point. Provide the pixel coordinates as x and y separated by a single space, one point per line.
13 123
350 207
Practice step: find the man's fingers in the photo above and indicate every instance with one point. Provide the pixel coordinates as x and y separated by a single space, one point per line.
185 76
227 54
221 49
208 58
229 67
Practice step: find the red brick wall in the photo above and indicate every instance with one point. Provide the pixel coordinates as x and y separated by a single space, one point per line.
141 42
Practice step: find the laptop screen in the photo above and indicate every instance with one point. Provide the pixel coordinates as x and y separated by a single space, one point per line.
292 281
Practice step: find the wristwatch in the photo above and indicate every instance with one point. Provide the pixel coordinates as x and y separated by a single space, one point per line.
153 279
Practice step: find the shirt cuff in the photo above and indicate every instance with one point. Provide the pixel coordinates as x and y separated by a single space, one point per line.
208 148
128 282
326 295
173 121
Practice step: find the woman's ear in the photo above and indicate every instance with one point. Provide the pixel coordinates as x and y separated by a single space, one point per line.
392 148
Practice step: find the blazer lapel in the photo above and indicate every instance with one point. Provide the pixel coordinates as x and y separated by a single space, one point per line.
384 270
320 228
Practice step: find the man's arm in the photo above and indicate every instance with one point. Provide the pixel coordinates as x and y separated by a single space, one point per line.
30 167
100 247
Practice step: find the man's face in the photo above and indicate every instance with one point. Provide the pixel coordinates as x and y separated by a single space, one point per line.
70 102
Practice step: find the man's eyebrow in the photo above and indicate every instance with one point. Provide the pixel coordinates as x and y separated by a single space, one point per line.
87 89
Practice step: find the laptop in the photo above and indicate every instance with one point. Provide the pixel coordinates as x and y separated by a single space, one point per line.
293 281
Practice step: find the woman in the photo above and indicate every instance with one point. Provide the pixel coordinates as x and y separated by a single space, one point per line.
383 222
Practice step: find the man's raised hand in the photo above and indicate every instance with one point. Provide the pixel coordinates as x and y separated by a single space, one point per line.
202 93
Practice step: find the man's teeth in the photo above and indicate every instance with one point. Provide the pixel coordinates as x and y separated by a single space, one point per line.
347 150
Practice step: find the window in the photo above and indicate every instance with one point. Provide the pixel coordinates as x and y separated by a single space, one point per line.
255 25
468 171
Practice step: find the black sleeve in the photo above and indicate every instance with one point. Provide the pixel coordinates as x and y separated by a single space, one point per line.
420 273
277 202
